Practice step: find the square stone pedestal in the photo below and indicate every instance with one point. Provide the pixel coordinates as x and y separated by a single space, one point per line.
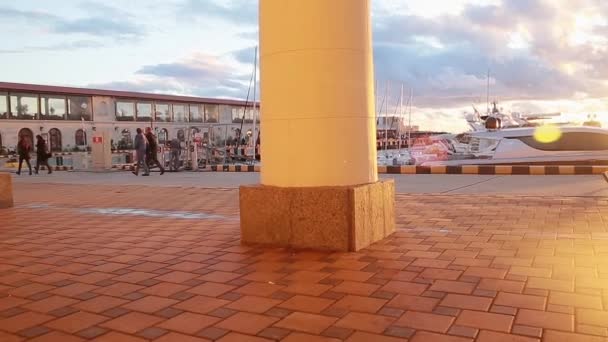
6 191
342 218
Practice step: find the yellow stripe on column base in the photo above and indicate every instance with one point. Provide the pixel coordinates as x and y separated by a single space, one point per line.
503 170
598 170
257 168
382 168
408 170
566 170
231 168
470 169
537 170
439 170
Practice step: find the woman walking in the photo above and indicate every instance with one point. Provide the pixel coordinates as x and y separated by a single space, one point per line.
23 150
42 156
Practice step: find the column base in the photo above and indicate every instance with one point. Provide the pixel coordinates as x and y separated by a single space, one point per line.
6 191
344 218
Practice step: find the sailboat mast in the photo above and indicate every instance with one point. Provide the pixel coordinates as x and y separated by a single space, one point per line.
409 124
386 117
255 84
400 118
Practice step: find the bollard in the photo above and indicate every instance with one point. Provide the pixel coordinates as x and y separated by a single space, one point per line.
6 190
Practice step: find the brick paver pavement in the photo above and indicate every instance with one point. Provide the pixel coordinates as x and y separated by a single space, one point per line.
76 264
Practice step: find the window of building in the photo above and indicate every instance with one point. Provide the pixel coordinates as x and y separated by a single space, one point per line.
144 111
3 106
162 113
24 106
237 114
125 111
179 113
55 140
80 137
53 108
79 108
212 113
195 113
163 136
28 134
126 141
180 135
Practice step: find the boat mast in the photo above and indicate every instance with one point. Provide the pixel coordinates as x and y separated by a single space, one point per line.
255 80
400 118
488 94
409 124
386 117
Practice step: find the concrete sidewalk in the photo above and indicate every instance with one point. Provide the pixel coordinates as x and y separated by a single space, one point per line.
454 184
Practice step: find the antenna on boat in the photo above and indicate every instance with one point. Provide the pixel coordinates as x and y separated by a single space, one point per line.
253 138
386 117
488 93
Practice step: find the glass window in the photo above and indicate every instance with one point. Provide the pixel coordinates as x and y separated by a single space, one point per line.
53 108
144 111
212 113
162 113
79 108
179 113
24 106
195 113
125 111
163 136
3 106
80 137
237 114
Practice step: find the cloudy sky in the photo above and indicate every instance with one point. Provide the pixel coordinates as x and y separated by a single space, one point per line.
544 55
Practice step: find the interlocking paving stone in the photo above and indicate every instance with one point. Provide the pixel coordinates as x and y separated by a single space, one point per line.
490 268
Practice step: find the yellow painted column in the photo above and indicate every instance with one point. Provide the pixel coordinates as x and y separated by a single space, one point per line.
317 102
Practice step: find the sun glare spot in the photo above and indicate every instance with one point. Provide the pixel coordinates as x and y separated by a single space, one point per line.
547 133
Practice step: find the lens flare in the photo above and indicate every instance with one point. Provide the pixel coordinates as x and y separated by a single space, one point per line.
547 133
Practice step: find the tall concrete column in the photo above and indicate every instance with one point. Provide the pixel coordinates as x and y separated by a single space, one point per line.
317 99
319 174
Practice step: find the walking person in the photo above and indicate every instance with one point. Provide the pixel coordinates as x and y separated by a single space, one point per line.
176 149
42 156
153 150
141 144
24 147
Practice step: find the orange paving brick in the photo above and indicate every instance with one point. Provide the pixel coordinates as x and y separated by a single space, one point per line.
150 304
49 304
467 302
211 289
360 336
360 304
301 337
548 320
76 322
551 335
201 304
485 320
414 303
100 304
188 323
425 321
23 321
176 337
132 322
423 336
453 286
306 304
365 322
236 337
576 300
57 336
592 317
310 323
492 336
247 323
114 336
520 301
406 288
253 304
164 289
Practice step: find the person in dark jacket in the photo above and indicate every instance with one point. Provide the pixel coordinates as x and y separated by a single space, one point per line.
24 147
152 151
42 156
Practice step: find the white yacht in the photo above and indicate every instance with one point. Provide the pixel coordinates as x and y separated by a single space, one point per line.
573 145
